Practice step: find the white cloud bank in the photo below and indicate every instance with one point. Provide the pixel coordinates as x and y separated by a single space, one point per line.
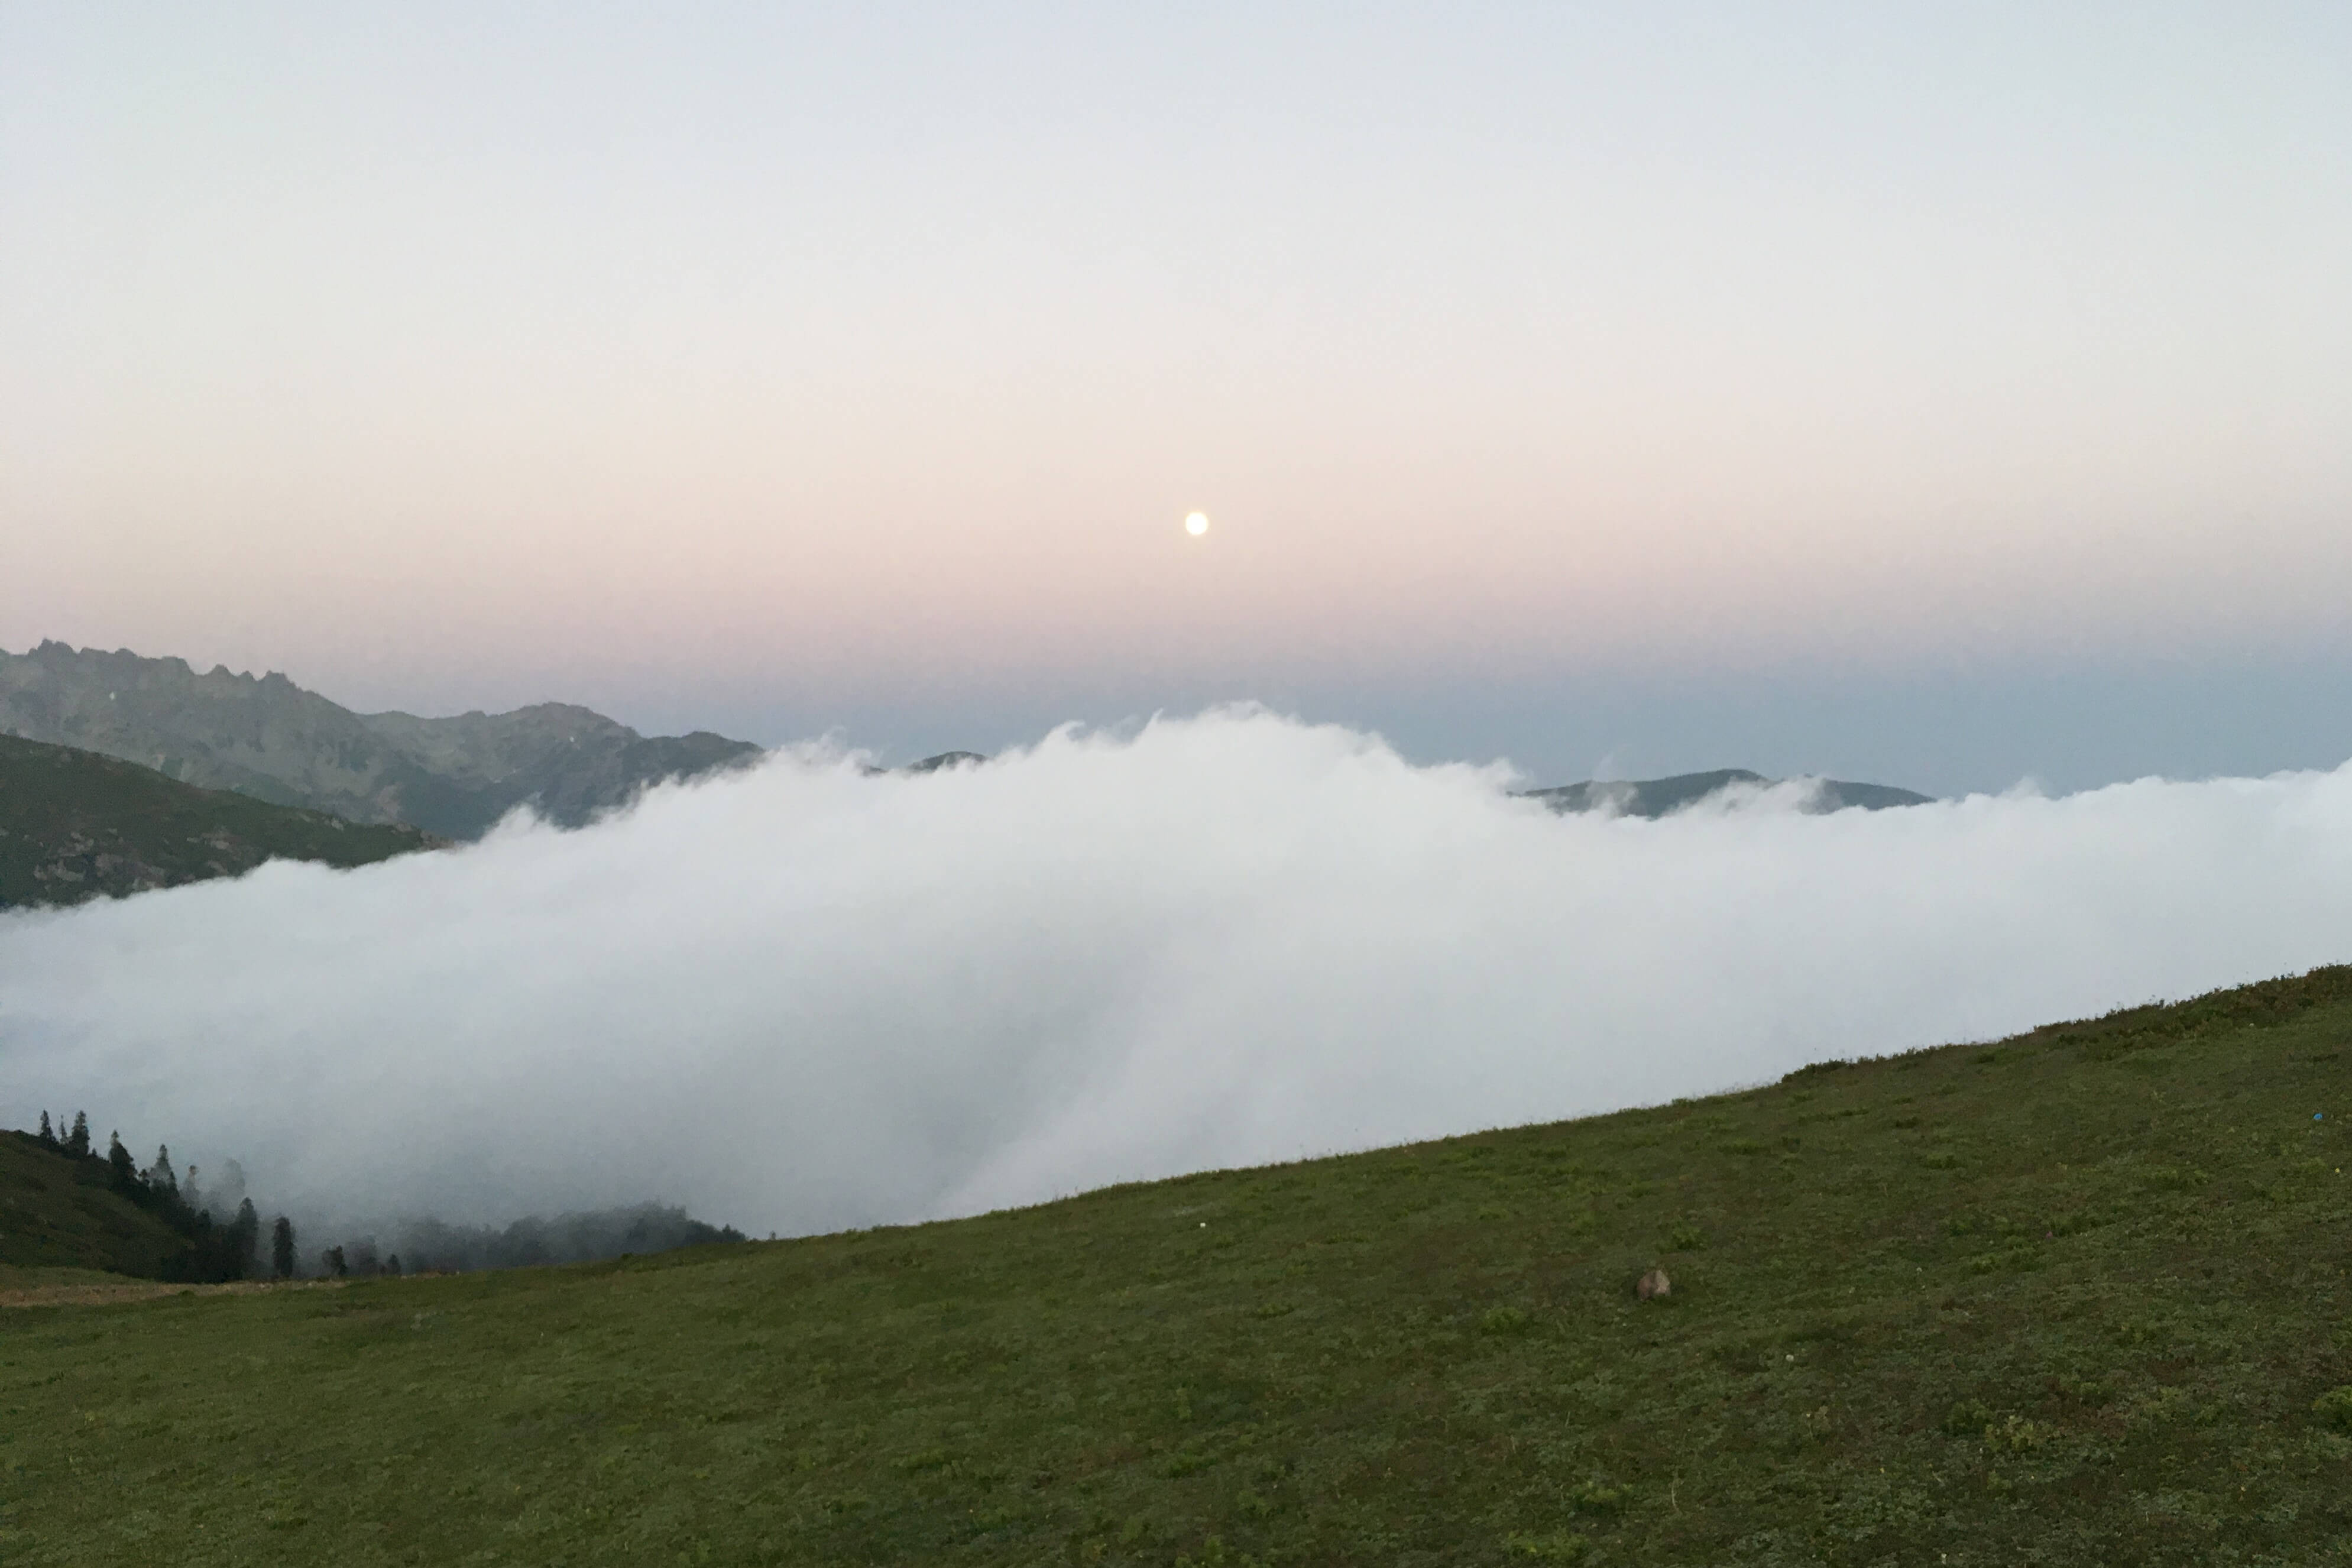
802 998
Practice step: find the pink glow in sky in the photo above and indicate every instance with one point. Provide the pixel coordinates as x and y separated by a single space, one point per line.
448 354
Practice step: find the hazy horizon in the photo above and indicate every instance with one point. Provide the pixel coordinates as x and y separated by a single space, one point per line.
1951 734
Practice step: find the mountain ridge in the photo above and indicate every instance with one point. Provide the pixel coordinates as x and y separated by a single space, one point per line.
270 738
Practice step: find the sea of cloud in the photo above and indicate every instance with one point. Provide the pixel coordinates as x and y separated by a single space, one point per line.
804 997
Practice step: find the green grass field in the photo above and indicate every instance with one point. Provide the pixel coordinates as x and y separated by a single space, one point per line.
2080 1297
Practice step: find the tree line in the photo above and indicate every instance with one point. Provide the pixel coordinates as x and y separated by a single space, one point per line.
217 1250
230 1249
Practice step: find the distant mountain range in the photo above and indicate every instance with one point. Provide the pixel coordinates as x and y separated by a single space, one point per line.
1619 797
271 740
1656 797
75 825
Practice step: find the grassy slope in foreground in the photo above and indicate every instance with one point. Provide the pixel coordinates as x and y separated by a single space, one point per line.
77 825
2069 1299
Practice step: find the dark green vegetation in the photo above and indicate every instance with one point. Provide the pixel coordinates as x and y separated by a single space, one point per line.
581 1238
270 738
77 825
64 1203
1656 797
79 1209
2079 1298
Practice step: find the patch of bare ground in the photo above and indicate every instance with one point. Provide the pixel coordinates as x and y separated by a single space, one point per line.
85 1294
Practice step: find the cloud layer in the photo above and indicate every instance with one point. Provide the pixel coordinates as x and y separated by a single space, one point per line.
801 997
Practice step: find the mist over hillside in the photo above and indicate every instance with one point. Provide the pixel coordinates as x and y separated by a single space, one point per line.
270 738
800 996
1656 797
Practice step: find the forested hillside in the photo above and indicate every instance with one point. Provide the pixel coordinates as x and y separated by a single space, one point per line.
64 1202
77 825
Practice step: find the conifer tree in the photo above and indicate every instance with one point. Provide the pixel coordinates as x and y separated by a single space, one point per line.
78 1141
331 1262
126 1169
281 1249
48 1134
160 1175
244 1238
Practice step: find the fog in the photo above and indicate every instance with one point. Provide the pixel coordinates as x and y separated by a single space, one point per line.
805 997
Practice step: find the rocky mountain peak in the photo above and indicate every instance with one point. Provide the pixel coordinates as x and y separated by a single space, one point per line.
271 739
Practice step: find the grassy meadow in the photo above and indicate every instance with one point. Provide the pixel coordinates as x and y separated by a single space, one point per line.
2078 1297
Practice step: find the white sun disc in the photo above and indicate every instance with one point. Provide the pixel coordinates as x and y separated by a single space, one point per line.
1197 523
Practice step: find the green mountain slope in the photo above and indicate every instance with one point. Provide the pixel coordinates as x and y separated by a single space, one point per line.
2078 1297
1656 797
77 825
56 1211
270 738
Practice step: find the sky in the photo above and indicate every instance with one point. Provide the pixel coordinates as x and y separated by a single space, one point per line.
1941 395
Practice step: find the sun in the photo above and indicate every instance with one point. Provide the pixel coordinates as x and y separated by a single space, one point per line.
1197 523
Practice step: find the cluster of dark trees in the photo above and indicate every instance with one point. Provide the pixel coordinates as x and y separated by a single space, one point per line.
435 1247
229 1249
341 1262
581 1238
217 1250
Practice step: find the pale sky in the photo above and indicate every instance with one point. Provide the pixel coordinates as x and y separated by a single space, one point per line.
1940 394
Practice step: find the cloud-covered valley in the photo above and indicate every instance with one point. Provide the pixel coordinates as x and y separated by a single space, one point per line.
804 997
